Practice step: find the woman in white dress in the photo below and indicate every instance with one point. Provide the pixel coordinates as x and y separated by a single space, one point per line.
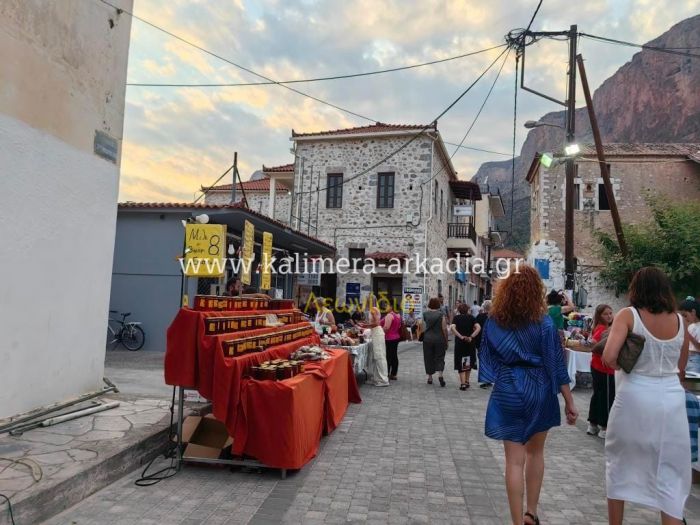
380 373
648 440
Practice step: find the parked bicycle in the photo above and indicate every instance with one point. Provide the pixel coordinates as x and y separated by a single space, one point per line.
128 333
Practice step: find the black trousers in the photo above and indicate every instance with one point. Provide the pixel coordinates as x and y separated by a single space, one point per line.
392 356
602 399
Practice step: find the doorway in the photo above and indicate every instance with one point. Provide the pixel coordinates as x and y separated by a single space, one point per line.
389 287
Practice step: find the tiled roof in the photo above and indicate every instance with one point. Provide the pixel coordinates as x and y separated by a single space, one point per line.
202 206
249 185
506 254
678 149
285 168
385 256
379 127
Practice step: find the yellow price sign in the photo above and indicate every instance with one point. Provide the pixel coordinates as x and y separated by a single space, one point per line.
205 250
247 254
265 279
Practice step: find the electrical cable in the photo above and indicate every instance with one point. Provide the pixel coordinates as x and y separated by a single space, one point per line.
515 132
669 50
477 149
147 480
9 508
418 133
215 182
231 62
320 79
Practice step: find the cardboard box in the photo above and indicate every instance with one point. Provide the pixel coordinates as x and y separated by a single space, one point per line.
205 437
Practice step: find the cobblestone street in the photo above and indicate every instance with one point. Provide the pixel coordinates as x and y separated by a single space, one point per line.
410 453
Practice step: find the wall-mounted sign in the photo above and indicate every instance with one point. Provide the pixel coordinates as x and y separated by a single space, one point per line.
463 210
352 293
247 253
412 302
266 261
204 250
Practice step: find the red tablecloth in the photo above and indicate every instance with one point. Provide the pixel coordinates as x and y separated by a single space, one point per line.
280 422
193 360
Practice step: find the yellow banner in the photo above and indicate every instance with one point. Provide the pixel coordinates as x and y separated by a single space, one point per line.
247 254
205 250
265 278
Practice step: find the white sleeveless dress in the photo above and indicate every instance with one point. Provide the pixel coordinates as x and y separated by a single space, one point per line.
647 448
380 372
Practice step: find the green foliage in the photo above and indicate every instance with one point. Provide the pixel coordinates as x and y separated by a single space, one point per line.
670 241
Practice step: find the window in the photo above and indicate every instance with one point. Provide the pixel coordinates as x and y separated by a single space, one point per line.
357 258
385 190
442 204
603 203
435 198
334 190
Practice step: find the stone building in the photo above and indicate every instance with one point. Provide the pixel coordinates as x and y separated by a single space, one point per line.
384 192
672 170
261 194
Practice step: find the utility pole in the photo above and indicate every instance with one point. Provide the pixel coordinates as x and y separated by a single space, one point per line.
235 170
570 167
604 170
570 129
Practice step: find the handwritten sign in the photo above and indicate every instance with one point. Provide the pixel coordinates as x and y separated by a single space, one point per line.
204 250
247 254
265 278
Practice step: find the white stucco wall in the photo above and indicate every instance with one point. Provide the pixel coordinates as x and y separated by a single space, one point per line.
62 77
55 268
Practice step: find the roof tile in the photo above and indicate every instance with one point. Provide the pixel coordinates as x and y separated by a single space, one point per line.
378 127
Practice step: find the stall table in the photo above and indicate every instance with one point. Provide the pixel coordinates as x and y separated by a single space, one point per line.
577 361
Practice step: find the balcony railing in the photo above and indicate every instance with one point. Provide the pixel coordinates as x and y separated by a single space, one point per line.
461 231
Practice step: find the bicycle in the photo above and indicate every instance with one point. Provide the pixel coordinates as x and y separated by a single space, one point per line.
130 333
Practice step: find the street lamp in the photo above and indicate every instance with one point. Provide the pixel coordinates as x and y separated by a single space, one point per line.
530 124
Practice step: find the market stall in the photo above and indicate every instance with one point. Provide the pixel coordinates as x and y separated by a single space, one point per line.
216 351
356 342
578 345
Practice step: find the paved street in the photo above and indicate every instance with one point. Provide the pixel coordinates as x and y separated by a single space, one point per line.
411 453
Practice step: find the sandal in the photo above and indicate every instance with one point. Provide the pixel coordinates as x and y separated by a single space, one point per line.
430 380
442 381
463 386
535 519
466 385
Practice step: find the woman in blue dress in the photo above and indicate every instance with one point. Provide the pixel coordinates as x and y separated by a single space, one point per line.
522 356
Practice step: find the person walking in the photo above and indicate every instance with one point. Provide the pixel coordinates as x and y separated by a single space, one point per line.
522 356
481 321
475 309
690 310
603 377
392 335
465 329
445 309
379 374
647 450
434 340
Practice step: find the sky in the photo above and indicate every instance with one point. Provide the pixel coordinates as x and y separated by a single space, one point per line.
178 139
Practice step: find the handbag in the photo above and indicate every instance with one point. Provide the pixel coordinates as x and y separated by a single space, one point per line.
404 334
629 353
421 331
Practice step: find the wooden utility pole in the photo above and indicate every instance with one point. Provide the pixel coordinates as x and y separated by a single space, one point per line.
570 166
235 169
604 171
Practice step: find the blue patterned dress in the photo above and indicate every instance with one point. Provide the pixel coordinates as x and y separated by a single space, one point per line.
526 366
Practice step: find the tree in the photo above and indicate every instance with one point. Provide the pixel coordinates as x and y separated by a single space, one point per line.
670 241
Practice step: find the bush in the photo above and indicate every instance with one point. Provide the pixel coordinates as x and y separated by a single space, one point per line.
670 241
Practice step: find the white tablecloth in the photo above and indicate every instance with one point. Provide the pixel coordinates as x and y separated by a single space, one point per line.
361 356
577 362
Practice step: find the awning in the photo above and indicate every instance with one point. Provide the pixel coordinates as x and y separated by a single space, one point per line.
464 189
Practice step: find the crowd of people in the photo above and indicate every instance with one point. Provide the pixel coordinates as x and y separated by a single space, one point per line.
516 344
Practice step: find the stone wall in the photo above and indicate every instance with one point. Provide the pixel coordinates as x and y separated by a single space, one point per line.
408 227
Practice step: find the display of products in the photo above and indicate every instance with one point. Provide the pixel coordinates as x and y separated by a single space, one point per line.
276 370
227 325
349 337
223 303
258 343
310 353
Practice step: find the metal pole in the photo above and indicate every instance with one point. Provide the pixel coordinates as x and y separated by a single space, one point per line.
570 167
233 177
604 171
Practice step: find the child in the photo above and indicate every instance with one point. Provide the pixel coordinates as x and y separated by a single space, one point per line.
603 377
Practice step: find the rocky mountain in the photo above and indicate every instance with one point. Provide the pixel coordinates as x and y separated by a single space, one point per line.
652 98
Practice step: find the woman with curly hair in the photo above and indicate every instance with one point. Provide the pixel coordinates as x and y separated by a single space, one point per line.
522 356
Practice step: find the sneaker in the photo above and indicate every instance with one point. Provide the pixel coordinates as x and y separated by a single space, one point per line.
602 434
592 430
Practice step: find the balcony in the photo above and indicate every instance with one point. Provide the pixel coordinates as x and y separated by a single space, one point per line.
461 237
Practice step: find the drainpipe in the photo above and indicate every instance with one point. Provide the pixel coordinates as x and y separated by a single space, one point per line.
430 216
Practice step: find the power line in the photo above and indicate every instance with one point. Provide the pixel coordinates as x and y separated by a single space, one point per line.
247 70
477 149
320 79
669 50
476 117
416 135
